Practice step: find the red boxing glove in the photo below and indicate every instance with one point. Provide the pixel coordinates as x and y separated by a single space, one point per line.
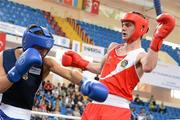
165 26
73 59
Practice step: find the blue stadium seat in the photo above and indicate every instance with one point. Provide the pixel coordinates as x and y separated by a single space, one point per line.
100 35
22 15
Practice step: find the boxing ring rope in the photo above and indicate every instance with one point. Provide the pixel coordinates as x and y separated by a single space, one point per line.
55 115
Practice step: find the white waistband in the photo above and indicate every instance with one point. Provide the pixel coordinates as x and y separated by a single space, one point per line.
116 101
15 112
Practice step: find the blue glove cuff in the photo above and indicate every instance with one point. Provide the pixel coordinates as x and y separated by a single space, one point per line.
13 75
83 80
84 86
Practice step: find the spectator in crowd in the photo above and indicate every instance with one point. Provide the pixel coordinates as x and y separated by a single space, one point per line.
149 116
71 88
69 110
63 89
134 115
48 86
137 100
49 107
48 97
43 104
63 109
57 104
37 99
152 100
76 111
142 114
57 90
162 108
152 106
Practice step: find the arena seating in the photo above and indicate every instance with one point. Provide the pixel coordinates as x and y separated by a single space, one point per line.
54 24
171 112
100 35
22 15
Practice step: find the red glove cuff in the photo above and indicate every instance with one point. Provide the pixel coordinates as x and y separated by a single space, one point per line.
73 59
83 64
156 44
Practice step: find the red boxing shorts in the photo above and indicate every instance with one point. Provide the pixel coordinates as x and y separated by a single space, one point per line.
114 108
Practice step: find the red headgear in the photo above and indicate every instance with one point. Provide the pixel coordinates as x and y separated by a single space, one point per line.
141 25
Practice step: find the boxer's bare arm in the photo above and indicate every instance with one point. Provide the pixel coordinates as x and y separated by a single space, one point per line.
149 61
55 67
46 71
96 68
4 82
146 62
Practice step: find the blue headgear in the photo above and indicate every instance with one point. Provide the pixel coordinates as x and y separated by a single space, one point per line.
37 36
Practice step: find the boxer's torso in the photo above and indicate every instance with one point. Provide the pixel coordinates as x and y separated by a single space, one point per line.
21 94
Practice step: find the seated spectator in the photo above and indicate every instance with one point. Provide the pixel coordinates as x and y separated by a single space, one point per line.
63 109
48 86
71 88
42 104
76 111
63 90
49 107
152 106
162 108
69 110
152 100
57 104
149 116
137 100
141 116
134 115
57 89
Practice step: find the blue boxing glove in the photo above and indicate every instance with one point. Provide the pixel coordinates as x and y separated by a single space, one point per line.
28 58
94 90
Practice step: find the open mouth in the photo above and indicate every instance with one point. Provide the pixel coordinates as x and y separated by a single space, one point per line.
124 34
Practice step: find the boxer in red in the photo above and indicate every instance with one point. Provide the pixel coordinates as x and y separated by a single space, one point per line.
123 65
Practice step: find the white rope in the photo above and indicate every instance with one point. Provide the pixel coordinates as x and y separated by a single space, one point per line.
56 115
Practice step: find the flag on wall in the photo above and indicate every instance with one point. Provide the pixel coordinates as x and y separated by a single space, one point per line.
91 6
95 6
87 5
2 41
78 4
68 2
74 3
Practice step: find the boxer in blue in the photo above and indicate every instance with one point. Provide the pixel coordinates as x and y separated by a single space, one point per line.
23 69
